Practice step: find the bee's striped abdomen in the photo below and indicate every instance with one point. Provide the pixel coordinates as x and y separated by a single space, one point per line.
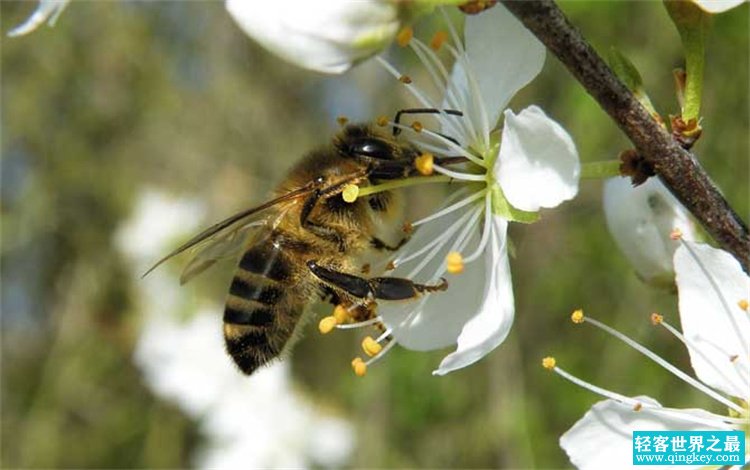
255 324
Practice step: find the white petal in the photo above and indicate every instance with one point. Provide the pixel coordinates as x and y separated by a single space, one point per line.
640 220
714 325
718 6
603 437
437 320
490 325
328 36
538 162
504 57
48 10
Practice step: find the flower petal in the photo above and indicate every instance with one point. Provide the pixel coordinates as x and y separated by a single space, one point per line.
538 163
718 6
504 57
436 320
326 36
490 325
640 220
604 436
717 329
48 10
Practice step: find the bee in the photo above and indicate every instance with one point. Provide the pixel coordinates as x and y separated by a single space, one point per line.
305 244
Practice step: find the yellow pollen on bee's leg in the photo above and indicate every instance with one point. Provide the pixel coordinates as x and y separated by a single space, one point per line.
438 40
549 363
454 262
359 367
327 324
404 36
423 163
350 193
417 126
340 314
743 304
371 347
577 316
675 234
382 121
405 79
342 120
656 319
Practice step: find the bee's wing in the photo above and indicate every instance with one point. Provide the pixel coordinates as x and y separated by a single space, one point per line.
225 244
228 228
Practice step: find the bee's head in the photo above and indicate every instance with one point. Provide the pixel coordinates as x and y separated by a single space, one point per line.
361 141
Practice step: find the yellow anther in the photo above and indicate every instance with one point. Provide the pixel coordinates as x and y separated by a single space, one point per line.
404 36
743 304
350 192
638 407
382 121
359 367
656 319
549 362
577 316
342 120
417 126
340 314
405 79
390 266
454 262
327 324
424 163
371 347
675 234
438 40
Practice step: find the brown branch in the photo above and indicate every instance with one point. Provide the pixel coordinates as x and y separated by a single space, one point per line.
677 168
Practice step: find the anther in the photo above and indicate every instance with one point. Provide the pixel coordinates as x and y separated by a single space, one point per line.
438 40
675 234
342 120
417 126
454 262
359 367
656 319
577 316
743 304
638 407
327 324
371 347
405 79
549 363
390 266
404 36
350 193
733 358
382 121
340 314
407 228
423 163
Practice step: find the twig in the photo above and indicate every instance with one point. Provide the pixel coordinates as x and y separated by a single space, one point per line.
677 168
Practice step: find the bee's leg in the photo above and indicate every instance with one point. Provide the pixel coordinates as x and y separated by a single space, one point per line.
382 288
379 244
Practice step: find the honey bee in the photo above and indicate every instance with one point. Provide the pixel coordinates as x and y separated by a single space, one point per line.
306 243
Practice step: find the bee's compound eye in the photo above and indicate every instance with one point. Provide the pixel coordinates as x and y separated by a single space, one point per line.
372 148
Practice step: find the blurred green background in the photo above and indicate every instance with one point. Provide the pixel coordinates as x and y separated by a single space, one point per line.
123 97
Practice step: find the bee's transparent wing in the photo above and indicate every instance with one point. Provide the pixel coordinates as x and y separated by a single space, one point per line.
227 229
221 246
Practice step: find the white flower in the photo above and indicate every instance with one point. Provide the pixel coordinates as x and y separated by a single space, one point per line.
534 165
640 220
48 10
327 36
718 6
713 301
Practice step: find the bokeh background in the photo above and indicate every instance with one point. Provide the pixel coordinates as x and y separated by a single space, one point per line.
131 124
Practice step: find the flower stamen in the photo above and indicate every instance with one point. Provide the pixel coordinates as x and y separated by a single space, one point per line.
424 163
454 262
404 36
350 193
438 39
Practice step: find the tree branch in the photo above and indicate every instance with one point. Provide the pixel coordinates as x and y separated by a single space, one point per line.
677 168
